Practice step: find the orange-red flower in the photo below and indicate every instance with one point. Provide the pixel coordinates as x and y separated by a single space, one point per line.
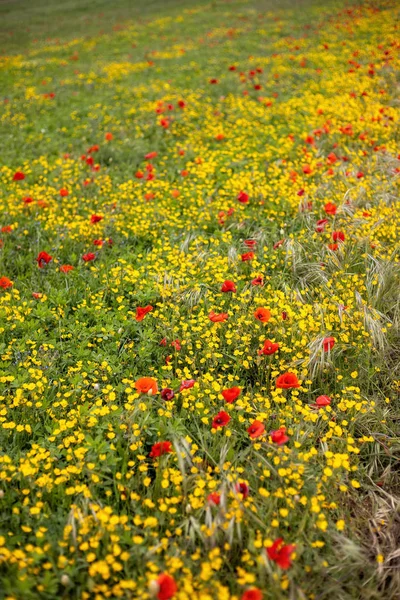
338 236
269 348
242 488
66 268
247 256
262 314
88 257
280 553
221 419
142 312
256 429
96 218
252 594
279 436
146 385
5 283
167 587
231 394
228 286
160 448
243 197
217 317
43 259
328 343
322 401
18 176
320 226
287 381
214 498
330 208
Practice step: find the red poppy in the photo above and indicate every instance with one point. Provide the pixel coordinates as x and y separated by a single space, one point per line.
242 488
228 286
250 243
96 218
257 281
214 498
306 169
220 420
6 229
18 176
278 244
98 243
177 345
167 587
139 174
89 256
66 268
243 197
279 436
213 80
287 381
187 384
328 343
163 342
43 259
151 155
247 256
5 283
330 208
323 401
109 136
338 236
217 317
64 192
280 553
160 448
167 394
320 226
37 295
333 247
269 348
231 394
142 312
146 385
262 314
252 594
27 200
256 429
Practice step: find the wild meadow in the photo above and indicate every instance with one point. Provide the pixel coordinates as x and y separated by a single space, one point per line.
199 300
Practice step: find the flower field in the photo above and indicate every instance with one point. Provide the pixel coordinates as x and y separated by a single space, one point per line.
199 299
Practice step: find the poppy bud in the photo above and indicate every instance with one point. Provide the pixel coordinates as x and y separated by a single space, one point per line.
65 580
167 394
154 588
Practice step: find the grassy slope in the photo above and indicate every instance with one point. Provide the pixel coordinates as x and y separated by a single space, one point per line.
170 253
